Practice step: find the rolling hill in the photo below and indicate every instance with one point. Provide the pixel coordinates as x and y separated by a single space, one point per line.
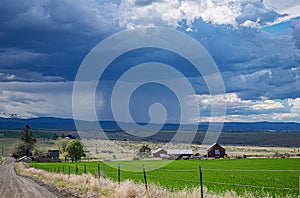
50 123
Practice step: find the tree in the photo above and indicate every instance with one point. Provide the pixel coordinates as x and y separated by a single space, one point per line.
75 150
26 145
38 152
54 136
65 155
62 144
20 149
63 135
26 135
144 151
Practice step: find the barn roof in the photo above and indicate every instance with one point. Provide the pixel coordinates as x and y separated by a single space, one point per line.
53 151
157 150
213 146
179 152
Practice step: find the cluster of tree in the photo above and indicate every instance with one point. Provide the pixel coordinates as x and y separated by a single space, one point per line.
62 136
75 150
27 147
282 155
144 151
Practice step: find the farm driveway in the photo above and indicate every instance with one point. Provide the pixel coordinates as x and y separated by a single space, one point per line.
14 186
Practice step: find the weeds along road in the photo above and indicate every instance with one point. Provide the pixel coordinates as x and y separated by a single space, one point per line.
14 186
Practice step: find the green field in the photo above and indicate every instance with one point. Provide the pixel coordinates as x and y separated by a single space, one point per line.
260 176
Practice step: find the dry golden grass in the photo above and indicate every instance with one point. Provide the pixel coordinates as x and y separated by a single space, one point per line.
127 150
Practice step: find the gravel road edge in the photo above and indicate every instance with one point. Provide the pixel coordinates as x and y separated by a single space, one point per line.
60 193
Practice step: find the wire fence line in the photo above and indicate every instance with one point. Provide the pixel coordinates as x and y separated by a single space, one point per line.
126 175
250 170
135 174
251 186
224 170
205 169
173 178
174 170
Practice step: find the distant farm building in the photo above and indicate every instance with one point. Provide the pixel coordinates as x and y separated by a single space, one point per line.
216 151
180 153
24 159
166 157
159 152
53 154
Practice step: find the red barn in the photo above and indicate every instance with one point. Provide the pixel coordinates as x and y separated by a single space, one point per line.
216 151
159 151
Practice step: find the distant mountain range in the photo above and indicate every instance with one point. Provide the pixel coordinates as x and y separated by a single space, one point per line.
9 115
49 123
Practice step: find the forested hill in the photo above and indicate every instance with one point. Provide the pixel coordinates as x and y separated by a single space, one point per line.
68 124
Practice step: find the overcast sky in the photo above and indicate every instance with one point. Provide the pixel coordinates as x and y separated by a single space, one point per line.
255 44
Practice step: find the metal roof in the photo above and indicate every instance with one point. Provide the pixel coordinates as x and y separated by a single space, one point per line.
179 151
213 146
155 151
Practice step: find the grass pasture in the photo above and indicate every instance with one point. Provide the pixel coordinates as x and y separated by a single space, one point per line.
6 144
276 177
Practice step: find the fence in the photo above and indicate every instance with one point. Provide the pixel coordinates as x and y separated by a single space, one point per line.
4 152
197 175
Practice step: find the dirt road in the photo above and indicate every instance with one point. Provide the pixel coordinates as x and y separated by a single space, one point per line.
14 186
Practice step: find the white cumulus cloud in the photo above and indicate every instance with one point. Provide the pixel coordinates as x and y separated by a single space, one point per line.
239 109
249 13
289 8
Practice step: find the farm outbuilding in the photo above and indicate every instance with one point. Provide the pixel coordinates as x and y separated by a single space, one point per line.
180 153
24 159
53 154
50 156
166 157
158 152
216 151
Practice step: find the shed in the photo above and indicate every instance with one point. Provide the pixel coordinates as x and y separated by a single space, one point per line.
180 153
53 154
216 151
158 152
165 157
24 159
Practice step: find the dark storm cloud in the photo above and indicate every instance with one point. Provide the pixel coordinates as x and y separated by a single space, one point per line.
44 41
50 37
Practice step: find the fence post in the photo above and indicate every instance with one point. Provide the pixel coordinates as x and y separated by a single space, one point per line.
145 178
201 181
76 170
98 170
84 169
119 175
